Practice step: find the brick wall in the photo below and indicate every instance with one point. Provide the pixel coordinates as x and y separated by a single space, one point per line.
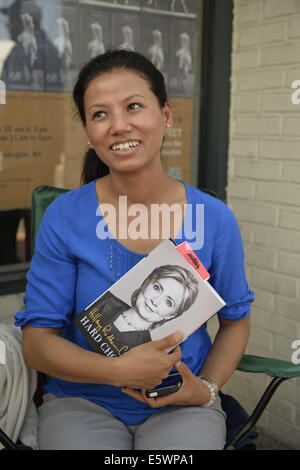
264 193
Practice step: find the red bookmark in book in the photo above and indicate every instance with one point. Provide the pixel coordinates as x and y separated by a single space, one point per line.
187 252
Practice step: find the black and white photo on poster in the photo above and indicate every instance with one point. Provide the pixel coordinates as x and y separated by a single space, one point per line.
65 37
115 4
156 51
186 7
96 45
31 61
48 41
94 32
126 31
156 41
128 3
182 75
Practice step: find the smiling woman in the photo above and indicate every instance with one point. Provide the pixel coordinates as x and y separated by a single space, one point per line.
127 127
98 402
165 294
144 91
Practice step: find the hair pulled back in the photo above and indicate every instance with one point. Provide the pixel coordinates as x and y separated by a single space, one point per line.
111 60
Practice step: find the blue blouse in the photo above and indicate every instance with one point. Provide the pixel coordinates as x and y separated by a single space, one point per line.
72 266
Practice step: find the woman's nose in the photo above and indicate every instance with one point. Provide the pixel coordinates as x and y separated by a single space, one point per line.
120 124
155 299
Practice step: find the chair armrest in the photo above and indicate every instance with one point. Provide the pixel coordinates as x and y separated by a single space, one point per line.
280 371
42 196
269 366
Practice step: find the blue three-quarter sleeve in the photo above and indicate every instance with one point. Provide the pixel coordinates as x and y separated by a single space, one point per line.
228 272
49 298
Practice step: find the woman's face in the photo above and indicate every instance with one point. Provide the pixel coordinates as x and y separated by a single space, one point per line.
160 299
124 121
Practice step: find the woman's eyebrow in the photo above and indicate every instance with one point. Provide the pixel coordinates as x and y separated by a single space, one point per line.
163 289
134 95
97 105
128 98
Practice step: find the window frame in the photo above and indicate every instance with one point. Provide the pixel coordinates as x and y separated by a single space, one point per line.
215 95
13 278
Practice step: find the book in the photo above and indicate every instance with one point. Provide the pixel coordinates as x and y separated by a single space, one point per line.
166 291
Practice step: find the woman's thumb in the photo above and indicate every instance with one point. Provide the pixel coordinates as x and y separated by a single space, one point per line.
182 368
169 341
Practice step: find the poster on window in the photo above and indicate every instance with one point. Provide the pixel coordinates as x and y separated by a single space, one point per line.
44 43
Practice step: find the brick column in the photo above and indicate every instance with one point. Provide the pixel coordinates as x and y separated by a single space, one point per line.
264 193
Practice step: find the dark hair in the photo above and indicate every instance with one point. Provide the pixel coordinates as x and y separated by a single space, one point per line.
111 60
180 274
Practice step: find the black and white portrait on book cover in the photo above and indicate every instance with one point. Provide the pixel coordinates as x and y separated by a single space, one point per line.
171 297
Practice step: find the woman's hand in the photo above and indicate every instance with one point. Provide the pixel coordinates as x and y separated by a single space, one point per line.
191 392
145 366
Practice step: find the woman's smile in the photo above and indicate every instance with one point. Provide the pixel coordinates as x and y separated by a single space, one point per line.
148 307
127 148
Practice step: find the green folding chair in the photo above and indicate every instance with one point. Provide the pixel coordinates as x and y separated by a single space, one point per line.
278 370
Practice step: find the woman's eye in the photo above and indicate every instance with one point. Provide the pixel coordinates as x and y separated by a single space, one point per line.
133 106
99 114
156 287
169 303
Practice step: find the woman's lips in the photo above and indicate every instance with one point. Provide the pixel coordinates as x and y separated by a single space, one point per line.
148 307
125 146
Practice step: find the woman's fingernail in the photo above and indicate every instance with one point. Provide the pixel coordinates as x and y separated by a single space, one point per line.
177 336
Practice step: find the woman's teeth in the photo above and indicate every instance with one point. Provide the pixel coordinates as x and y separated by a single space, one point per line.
126 145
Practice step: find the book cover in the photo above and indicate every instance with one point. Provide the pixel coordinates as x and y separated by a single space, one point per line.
163 293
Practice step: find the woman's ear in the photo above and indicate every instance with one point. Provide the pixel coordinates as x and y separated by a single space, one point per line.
168 117
86 136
